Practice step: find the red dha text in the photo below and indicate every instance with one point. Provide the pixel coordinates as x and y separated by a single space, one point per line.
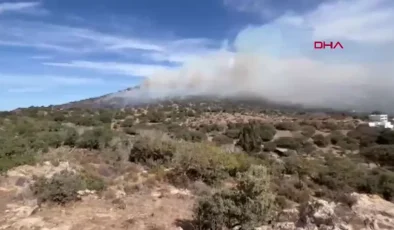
323 45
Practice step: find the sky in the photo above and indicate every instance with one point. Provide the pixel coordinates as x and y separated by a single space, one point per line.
56 51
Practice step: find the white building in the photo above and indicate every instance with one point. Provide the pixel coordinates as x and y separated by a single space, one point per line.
380 120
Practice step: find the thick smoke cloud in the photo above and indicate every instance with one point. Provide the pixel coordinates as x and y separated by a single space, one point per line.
277 62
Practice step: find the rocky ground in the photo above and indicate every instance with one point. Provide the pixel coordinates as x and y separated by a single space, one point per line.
162 206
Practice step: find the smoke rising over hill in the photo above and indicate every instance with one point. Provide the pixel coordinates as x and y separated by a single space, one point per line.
276 61
296 80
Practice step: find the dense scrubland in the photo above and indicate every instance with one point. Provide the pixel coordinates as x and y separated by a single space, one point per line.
243 163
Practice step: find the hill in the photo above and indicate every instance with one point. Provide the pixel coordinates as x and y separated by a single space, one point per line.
134 97
183 163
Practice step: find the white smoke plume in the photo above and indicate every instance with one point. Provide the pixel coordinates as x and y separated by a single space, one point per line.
276 61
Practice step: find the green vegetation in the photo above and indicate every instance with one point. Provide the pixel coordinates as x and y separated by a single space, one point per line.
63 187
249 204
182 145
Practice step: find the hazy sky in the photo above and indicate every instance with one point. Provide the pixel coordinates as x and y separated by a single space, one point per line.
54 51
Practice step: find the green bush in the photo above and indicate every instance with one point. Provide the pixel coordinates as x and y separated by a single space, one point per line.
380 154
62 188
386 137
378 181
336 137
207 128
84 120
249 205
152 151
206 162
71 137
93 182
130 131
96 138
366 136
119 115
105 117
308 130
232 133
269 146
320 140
249 138
222 140
9 162
190 135
155 116
266 132
288 142
287 125
349 143
127 123
330 125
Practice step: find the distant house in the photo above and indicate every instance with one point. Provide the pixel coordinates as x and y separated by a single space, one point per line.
379 120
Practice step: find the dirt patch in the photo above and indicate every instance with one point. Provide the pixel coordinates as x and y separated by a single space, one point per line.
160 207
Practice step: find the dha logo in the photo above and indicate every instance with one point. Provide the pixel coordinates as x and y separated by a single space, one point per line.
322 45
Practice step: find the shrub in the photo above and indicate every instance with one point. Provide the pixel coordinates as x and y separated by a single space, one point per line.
339 174
105 117
130 131
266 132
308 148
330 125
95 138
321 140
127 123
235 125
207 128
367 136
222 140
196 136
378 181
308 130
60 189
349 143
152 151
63 187
386 137
287 125
380 154
93 182
84 120
120 115
336 137
155 116
269 146
58 116
8 162
71 137
294 191
288 142
249 205
232 133
249 138
206 162
51 139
